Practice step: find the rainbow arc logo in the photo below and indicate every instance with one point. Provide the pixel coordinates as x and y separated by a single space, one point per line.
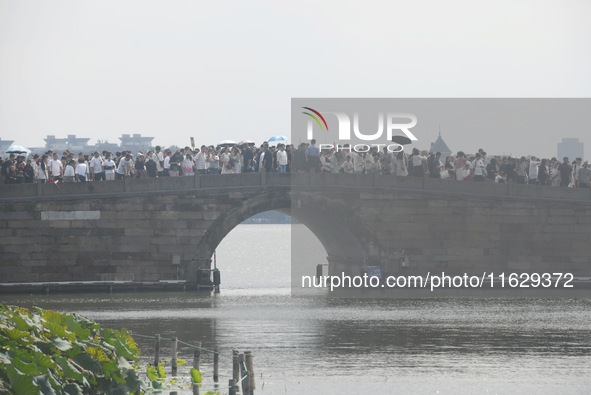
315 117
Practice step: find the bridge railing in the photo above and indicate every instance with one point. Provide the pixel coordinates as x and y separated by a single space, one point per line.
295 180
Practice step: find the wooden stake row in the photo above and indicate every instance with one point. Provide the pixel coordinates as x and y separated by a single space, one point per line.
242 365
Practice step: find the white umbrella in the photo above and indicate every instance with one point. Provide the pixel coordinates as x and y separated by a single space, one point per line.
227 143
277 138
18 149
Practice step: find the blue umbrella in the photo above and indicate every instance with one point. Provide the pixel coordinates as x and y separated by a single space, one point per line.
277 138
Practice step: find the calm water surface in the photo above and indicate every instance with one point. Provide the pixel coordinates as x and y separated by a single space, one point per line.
345 346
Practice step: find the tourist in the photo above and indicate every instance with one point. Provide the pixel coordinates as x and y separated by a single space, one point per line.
491 170
166 164
214 161
466 172
500 178
70 171
174 163
479 169
188 166
202 160
543 173
29 172
109 167
56 168
282 159
554 174
417 164
140 166
566 173
124 167
534 164
577 165
225 161
313 156
522 170
584 175
299 159
96 167
434 165
347 166
81 170
236 159
150 163
42 170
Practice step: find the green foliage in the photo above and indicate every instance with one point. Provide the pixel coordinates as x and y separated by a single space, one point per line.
47 352
161 371
152 373
196 376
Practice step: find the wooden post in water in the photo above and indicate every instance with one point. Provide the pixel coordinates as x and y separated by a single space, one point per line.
244 376
232 387
250 367
319 272
197 356
173 361
157 351
216 363
195 389
235 368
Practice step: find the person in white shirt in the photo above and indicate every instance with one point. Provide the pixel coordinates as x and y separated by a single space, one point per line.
159 161
109 166
358 162
282 159
70 172
534 164
56 168
202 160
96 167
500 178
42 169
82 170
347 166
124 168
478 166
465 173
166 165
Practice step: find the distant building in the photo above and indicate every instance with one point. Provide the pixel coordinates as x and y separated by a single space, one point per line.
570 147
440 146
71 143
101 146
135 143
4 145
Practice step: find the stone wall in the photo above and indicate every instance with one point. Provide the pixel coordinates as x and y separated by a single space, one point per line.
164 229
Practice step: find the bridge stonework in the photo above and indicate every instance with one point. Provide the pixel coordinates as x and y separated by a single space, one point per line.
165 229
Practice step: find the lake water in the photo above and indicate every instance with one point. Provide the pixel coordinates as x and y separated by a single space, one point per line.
323 345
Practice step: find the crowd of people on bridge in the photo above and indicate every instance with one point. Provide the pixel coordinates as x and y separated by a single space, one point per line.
286 158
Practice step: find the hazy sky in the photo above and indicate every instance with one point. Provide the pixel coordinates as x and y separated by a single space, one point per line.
227 70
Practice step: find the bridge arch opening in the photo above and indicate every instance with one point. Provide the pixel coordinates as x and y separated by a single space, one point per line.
344 238
257 252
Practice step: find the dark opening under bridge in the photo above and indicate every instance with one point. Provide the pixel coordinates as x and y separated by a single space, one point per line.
157 230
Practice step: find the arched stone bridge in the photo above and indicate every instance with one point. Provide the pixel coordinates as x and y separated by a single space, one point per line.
165 229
